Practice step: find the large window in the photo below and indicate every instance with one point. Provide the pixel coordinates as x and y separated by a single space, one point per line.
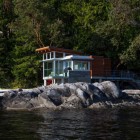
48 69
68 64
80 65
59 68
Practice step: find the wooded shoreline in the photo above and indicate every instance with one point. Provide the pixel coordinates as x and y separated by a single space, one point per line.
101 28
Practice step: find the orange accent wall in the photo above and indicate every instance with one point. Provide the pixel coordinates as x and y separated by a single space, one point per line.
100 66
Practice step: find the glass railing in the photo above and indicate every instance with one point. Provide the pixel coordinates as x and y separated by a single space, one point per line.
116 73
50 73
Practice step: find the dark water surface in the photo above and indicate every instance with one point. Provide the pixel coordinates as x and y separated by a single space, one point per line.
102 124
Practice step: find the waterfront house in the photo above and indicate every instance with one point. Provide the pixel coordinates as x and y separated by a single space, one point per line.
64 65
69 66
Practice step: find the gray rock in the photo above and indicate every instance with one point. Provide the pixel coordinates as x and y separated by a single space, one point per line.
70 95
55 96
63 90
109 89
71 87
84 97
45 101
71 102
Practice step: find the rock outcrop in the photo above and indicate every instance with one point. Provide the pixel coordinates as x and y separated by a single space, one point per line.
70 95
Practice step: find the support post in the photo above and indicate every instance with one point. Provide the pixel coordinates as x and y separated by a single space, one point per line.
43 70
88 65
72 65
62 80
54 64
100 80
45 83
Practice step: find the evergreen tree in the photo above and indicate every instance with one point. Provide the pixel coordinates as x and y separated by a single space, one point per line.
85 16
7 16
105 28
36 26
26 63
130 57
109 28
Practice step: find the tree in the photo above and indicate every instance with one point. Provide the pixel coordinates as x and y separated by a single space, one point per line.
131 56
35 26
26 64
7 16
109 28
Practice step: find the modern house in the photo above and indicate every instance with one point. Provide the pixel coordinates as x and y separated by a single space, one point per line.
64 65
69 66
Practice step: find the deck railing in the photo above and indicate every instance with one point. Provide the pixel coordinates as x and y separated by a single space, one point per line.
117 74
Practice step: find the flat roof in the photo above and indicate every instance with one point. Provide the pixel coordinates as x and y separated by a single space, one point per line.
77 57
51 49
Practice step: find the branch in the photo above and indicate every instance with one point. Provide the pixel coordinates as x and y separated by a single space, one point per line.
38 36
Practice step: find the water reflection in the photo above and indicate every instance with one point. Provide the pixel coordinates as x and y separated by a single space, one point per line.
18 125
91 124
105 124
80 124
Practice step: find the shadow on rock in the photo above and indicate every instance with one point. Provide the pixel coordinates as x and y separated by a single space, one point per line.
69 95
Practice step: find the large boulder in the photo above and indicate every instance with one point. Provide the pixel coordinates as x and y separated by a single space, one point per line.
45 101
69 95
109 89
14 101
71 102
95 94
84 97
55 96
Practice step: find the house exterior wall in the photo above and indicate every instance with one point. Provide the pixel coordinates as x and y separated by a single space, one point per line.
79 76
100 66
107 67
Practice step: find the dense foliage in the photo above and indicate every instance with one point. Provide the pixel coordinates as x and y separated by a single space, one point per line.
105 27
7 41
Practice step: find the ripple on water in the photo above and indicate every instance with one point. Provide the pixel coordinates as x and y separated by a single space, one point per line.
102 124
89 124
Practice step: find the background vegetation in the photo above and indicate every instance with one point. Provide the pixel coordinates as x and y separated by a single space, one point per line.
99 27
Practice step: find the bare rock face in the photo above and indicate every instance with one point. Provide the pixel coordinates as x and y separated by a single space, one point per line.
44 101
109 89
71 102
70 95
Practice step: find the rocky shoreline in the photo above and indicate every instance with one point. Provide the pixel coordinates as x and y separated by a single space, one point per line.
70 95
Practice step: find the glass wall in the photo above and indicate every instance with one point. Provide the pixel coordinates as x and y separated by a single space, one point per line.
48 69
68 64
80 65
59 68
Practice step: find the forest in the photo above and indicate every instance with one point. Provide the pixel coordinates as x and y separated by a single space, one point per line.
110 28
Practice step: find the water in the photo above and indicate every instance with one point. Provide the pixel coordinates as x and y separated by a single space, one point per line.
102 124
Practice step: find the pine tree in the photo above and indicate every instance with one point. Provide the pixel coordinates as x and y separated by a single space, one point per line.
7 16
26 64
